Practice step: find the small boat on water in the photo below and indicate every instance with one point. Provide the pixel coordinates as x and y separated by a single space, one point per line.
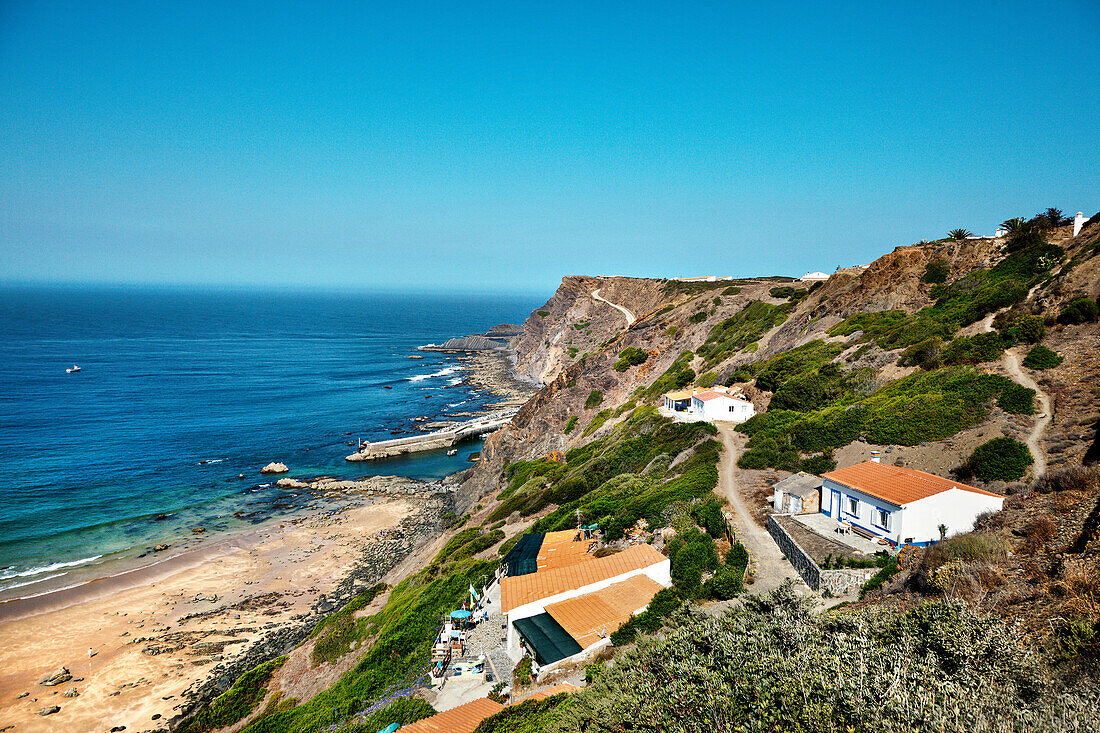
73 369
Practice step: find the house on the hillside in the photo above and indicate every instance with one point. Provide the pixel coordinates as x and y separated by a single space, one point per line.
814 277
710 403
797 494
902 505
568 611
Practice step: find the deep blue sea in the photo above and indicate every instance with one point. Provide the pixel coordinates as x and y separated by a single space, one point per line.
173 378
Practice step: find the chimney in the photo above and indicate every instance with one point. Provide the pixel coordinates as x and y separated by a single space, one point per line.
876 456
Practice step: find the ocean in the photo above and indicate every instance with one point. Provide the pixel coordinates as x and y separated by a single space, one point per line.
181 391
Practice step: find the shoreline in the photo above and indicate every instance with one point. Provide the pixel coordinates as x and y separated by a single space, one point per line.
168 636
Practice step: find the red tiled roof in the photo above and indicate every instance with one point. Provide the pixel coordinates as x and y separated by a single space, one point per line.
463 719
897 485
518 590
589 617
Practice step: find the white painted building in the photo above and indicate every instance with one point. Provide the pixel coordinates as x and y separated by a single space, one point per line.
712 405
903 505
1078 222
527 596
814 277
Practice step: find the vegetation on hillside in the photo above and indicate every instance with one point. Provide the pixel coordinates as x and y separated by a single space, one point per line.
742 329
1000 459
237 702
921 407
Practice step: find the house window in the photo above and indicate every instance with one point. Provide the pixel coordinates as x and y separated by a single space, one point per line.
853 505
882 518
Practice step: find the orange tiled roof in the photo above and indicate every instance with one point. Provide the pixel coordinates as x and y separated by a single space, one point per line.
897 485
562 554
463 719
589 617
518 590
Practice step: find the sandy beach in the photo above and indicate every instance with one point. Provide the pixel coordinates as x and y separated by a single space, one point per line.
136 644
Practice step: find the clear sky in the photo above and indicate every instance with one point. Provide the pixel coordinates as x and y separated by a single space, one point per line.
484 145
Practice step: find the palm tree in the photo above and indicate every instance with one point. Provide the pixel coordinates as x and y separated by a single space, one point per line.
1014 225
960 234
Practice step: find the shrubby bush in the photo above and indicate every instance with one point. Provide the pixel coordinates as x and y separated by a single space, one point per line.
678 375
743 328
936 272
1082 309
1000 459
773 666
1040 357
630 356
595 397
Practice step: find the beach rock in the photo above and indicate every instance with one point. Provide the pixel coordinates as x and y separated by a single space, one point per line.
274 468
70 693
160 548
117 728
160 517
50 710
156 716
58 677
291 483
21 695
198 530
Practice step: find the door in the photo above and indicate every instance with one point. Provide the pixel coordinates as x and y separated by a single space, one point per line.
834 505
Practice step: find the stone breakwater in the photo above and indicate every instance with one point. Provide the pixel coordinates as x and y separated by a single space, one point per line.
394 545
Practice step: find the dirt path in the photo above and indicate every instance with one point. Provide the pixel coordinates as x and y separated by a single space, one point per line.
629 316
771 567
1011 362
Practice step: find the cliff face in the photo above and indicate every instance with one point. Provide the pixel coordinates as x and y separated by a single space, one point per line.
572 343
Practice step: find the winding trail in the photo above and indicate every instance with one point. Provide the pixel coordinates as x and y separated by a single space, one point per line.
629 316
771 567
1011 362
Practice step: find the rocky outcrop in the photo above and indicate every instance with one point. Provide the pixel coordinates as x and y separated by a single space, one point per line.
291 483
469 343
58 677
274 468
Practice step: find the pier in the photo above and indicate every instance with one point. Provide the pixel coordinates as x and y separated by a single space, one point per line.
434 441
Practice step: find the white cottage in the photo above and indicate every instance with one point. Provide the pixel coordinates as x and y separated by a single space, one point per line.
903 505
713 405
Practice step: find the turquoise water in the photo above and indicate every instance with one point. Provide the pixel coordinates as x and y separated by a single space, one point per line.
181 392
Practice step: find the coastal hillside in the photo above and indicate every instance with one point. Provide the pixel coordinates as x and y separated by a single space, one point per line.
969 358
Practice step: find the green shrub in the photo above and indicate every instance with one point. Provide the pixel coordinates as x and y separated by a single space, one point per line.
698 317
597 421
595 397
725 584
1040 357
236 702
745 327
1018 400
543 314
661 606
1082 309
731 290
569 425
707 379
692 553
506 547
529 716
630 356
338 633
936 272
708 515
1017 326
1000 459
572 350
521 675
678 375
889 569
403 711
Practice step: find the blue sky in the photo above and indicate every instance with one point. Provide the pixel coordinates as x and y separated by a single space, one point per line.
503 145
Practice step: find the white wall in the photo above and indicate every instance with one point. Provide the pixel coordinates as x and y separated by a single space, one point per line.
719 408
864 517
1078 222
660 572
956 508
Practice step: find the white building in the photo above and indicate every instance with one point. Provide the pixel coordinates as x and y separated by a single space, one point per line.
814 277
798 493
710 404
1078 222
563 613
903 505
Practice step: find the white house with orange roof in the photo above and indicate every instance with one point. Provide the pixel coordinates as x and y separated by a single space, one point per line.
710 404
903 505
565 611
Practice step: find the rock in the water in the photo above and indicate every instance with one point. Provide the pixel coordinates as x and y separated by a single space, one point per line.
50 710
291 483
58 677
160 517
160 548
274 468
198 530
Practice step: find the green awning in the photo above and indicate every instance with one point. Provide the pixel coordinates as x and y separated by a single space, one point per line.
546 636
523 558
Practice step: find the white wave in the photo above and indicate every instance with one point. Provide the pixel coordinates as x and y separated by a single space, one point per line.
50 568
455 381
32 581
444 372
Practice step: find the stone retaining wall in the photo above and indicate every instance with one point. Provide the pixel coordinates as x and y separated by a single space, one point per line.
838 582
